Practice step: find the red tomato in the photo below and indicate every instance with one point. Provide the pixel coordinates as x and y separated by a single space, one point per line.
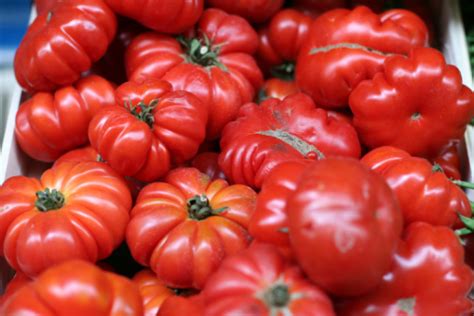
18 281
216 65
43 6
65 215
76 288
424 192
277 88
275 131
254 10
206 162
155 128
184 227
166 16
448 159
345 47
344 226
428 277
321 5
468 241
417 97
258 281
179 306
48 125
62 43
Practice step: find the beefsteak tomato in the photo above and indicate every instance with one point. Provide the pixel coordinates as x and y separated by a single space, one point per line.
48 125
151 128
344 226
215 64
76 210
345 47
76 288
448 159
62 43
18 281
206 162
184 227
254 10
179 306
277 88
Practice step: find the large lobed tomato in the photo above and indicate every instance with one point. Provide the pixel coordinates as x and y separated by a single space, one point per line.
76 288
345 47
424 192
254 10
17 282
48 125
167 16
449 160
344 225
276 131
180 306
151 128
65 215
62 43
428 277
421 104
182 228
258 281
215 63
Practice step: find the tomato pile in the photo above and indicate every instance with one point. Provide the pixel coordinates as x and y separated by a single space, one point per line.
242 158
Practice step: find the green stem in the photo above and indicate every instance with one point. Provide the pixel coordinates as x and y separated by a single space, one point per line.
285 71
277 296
464 184
48 200
201 51
144 112
199 208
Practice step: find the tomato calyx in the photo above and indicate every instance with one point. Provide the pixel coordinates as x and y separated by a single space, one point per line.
201 51
437 168
199 208
49 200
144 112
325 49
277 296
306 149
407 305
285 71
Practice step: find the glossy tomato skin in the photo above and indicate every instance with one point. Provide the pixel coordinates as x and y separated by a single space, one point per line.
146 147
277 88
62 43
32 240
43 6
207 163
246 284
448 159
345 47
48 125
18 281
152 290
425 193
428 277
76 288
179 306
254 10
344 226
417 97
276 131
180 245
224 82
281 40
165 16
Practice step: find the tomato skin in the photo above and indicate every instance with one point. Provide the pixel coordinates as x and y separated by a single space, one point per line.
63 43
179 306
254 10
207 162
181 250
277 88
243 284
251 147
143 150
448 159
469 249
424 193
75 288
166 16
231 80
43 6
16 283
339 51
48 125
428 277
152 290
32 240
344 226
423 96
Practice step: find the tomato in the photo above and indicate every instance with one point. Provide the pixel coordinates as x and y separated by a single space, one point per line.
258 281
468 242
76 288
182 228
424 192
216 64
254 10
18 281
62 43
43 6
281 40
448 159
320 5
428 277
206 162
275 131
152 128
277 88
417 97
166 16
64 215
179 306
345 47
344 226
48 125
